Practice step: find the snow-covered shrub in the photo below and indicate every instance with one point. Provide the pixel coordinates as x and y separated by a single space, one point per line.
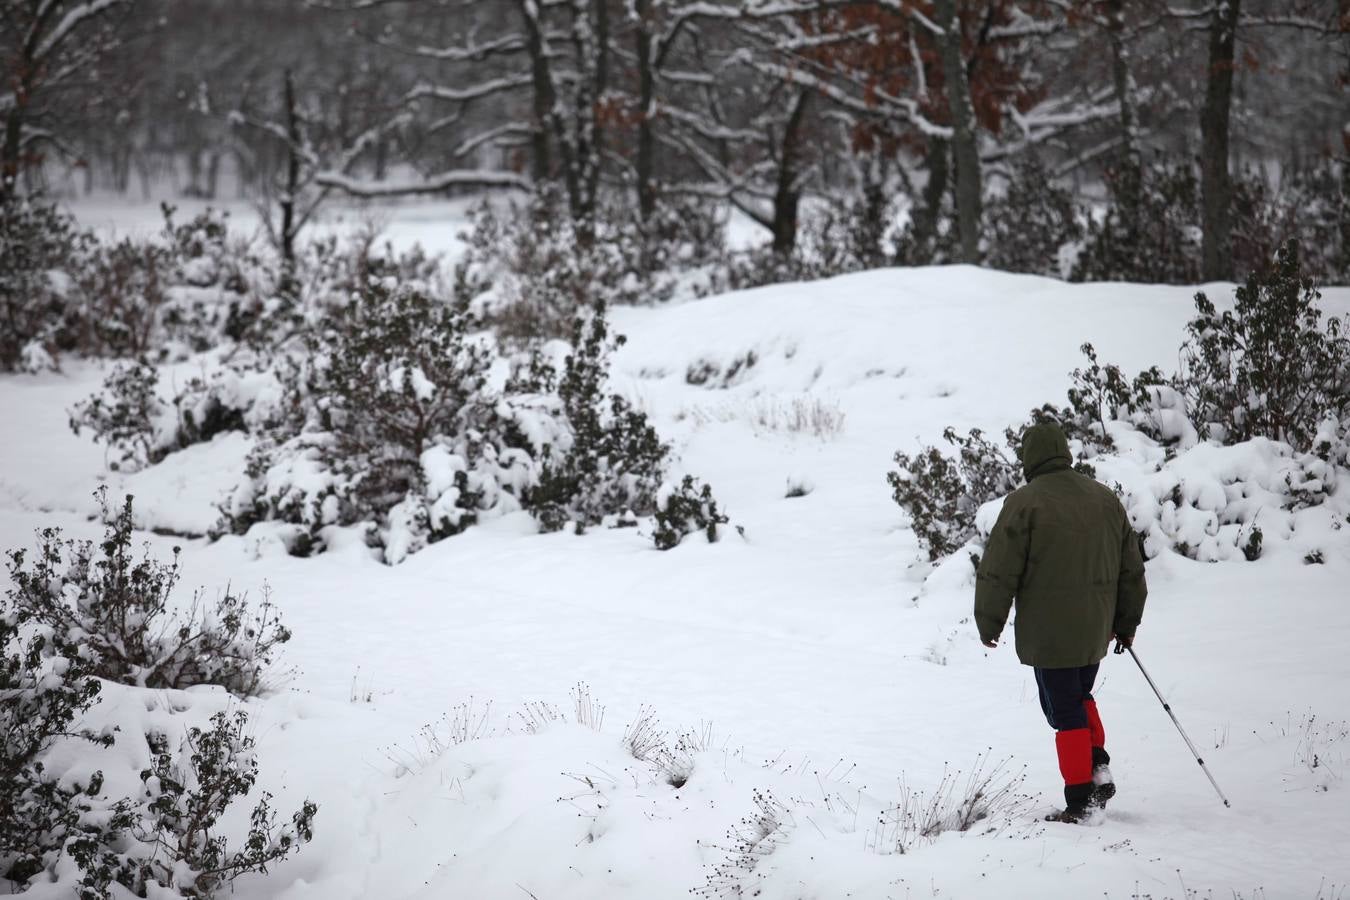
243 396
188 790
609 461
1317 199
39 245
1332 441
1031 222
185 291
125 416
42 697
1099 394
393 420
389 422
868 227
683 233
531 272
851 235
930 234
1252 549
1210 501
102 604
121 288
402 388
1153 240
942 495
1215 463
1271 367
1311 204
761 265
140 427
687 509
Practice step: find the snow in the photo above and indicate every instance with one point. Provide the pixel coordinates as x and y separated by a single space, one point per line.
830 661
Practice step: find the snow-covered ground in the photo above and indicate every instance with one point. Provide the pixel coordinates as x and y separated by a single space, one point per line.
807 654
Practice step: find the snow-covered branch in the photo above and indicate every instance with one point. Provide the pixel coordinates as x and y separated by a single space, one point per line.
72 20
432 184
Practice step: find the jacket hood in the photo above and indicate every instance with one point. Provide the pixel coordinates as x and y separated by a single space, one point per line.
1044 449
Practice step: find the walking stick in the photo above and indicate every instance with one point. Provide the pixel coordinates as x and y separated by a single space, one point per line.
1121 648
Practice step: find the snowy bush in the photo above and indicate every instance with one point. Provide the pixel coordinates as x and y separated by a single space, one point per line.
942 495
1101 393
529 274
40 245
930 235
825 247
1028 226
42 697
122 288
1332 441
1311 204
867 228
390 422
1271 367
188 790
1153 239
140 427
396 420
1317 200
609 461
1214 463
1216 503
683 233
180 292
217 284
104 605
241 396
188 290
125 416
687 509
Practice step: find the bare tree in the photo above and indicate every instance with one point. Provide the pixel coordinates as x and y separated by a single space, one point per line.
48 46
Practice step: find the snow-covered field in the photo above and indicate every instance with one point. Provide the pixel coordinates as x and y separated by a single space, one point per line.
807 654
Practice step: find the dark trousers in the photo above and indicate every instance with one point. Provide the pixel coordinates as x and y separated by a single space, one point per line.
1063 692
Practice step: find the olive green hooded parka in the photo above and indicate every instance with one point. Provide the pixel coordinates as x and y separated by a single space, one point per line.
1064 548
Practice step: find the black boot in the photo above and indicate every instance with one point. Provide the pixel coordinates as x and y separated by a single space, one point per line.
1078 804
1103 785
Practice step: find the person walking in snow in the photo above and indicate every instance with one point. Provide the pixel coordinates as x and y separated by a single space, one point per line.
1064 551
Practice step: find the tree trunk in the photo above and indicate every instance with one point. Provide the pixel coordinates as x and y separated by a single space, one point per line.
292 176
787 195
212 175
1216 188
965 153
544 97
591 148
9 161
646 138
1130 166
